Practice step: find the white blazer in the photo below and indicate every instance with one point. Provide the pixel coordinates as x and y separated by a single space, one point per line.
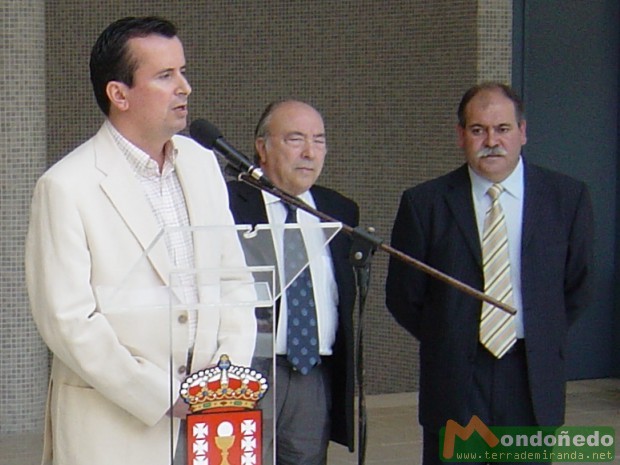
110 381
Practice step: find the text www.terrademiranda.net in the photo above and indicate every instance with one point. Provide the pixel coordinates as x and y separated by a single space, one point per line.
527 456
477 442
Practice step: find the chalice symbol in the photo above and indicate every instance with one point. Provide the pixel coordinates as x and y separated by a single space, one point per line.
224 440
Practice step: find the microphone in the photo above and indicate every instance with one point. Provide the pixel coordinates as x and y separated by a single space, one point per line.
207 135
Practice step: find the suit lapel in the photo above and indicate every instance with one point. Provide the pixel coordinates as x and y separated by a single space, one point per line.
533 195
254 211
129 200
460 203
320 201
249 208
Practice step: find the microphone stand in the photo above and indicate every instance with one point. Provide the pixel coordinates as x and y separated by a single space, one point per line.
367 235
363 248
365 244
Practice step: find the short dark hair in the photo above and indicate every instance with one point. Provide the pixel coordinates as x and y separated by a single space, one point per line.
490 85
110 59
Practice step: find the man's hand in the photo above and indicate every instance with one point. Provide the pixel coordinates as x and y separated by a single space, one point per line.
180 409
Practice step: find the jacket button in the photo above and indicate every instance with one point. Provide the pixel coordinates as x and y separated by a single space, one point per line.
182 319
182 370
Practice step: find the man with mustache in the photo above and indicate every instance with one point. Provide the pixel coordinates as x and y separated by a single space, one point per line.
96 230
516 231
312 405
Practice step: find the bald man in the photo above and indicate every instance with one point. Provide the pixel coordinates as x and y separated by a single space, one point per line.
315 406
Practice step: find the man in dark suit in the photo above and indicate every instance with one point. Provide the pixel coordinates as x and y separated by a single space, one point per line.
312 407
547 224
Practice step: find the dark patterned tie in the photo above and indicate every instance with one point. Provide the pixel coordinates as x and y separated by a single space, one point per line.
302 340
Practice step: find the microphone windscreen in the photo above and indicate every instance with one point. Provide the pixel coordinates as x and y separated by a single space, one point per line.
204 133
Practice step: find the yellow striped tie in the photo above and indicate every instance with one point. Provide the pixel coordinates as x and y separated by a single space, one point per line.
497 328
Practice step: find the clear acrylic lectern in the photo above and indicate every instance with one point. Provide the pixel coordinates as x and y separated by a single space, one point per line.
209 328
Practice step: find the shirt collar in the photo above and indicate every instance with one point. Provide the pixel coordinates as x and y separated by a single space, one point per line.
271 199
513 184
141 163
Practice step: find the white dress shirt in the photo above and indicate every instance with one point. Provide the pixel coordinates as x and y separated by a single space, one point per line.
321 268
167 200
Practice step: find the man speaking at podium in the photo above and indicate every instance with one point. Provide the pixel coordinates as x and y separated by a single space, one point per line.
93 215
314 390
517 231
